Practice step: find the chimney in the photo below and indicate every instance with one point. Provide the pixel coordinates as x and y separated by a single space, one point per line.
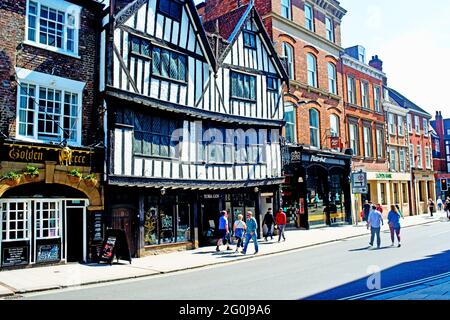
376 63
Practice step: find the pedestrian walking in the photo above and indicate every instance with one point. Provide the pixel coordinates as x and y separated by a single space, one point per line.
394 224
447 207
439 204
375 221
366 210
223 232
380 208
280 220
269 221
252 228
431 206
239 228
399 211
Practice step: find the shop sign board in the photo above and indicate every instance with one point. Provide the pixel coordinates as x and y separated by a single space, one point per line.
48 253
359 183
15 256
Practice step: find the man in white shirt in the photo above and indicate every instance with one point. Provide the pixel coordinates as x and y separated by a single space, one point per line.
375 221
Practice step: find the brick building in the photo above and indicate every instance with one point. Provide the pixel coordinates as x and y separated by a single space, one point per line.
307 35
441 154
420 153
49 123
365 122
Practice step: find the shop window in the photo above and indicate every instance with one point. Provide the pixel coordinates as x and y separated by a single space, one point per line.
383 193
405 193
15 220
48 220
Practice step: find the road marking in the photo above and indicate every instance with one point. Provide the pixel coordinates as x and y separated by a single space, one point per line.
396 287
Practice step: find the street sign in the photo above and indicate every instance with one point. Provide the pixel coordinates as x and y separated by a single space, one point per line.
359 183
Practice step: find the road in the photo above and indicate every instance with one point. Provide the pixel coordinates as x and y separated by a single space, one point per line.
331 271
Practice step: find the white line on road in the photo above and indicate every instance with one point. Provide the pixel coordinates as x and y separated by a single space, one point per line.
396 287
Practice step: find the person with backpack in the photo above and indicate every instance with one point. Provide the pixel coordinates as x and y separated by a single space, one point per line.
239 228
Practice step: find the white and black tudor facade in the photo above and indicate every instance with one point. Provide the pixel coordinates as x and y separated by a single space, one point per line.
193 121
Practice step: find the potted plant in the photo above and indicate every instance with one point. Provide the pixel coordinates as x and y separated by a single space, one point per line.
74 176
90 180
30 173
12 178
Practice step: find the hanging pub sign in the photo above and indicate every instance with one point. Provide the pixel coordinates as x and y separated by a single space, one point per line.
115 244
29 153
15 256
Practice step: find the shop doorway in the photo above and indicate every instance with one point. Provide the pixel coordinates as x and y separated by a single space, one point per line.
74 234
210 214
123 218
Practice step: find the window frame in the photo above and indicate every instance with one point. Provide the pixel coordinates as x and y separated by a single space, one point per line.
419 157
313 73
417 124
62 6
427 158
288 52
65 86
274 81
400 126
368 152
351 89
251 35
171 53
377 98
393 159
412 156
288 8
380 142
245 75
402 160
168 14
330 32
315 129
309 21
365 99
425 127
356 138
289 108
332 83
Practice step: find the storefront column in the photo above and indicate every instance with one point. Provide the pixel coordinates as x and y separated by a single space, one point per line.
258 212
195 223
141 231
388 192
378 200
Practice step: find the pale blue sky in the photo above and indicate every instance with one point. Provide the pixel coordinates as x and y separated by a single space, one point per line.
412 38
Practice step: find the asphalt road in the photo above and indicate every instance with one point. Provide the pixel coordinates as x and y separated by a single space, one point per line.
331 271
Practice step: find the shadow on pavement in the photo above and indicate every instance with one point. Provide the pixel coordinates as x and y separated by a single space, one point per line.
399 274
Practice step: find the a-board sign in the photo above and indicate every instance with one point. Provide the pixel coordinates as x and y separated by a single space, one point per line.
115 245
48 253
15 256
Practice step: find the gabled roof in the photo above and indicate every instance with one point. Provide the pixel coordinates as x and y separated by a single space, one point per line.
405 102
129 8
231 24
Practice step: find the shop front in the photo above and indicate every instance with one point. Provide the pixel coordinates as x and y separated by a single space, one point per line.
165 219
46 214
386 189
316 191
424 186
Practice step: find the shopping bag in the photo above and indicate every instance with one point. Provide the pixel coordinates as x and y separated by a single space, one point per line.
265 230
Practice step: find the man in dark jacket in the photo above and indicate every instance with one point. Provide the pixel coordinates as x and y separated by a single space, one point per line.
269 221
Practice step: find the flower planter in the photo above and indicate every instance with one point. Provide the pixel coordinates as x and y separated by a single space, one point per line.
91 183
30 178
74 179
12 182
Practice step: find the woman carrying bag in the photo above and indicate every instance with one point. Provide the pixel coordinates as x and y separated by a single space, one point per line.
239 228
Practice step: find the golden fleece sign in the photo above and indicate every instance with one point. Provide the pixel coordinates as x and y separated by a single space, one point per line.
63 156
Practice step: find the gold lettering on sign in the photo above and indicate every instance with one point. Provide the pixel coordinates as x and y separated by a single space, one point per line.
65 157
26 155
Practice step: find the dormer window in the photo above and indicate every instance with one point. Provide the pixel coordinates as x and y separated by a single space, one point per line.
53 25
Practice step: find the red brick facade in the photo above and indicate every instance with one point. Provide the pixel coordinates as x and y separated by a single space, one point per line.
15 53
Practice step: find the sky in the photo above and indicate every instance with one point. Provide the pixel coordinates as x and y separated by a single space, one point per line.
413 40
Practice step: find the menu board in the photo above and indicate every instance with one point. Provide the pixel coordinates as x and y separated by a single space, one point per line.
97 226
15 256
48 253
108 249
115 245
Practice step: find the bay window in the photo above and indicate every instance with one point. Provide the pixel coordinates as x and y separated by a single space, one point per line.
53 25
49 108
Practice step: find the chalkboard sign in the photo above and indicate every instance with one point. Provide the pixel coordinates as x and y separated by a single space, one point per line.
15 256
115 245
48 253
97 226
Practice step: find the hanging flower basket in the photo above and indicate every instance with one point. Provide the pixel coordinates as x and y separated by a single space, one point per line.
31 173
90 180
11 178
74 176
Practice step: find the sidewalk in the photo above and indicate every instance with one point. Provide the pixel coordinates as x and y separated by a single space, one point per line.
74 274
